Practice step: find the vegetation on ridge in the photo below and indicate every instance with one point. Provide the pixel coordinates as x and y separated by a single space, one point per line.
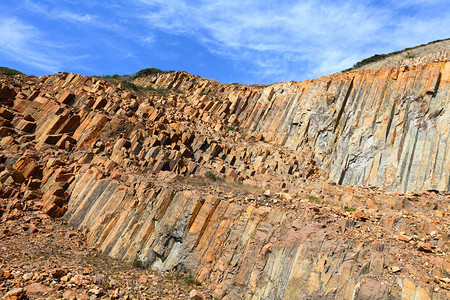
378 57
148 72
8 71
126 80
141 73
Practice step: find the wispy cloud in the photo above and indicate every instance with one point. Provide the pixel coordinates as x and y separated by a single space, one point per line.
148 39
57 11
81 18
30 46
19 40
324 36
268 41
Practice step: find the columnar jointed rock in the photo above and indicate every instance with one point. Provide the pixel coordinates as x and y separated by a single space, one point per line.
384 127
228 182
318 250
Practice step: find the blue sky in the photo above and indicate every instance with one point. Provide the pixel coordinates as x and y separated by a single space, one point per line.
230 41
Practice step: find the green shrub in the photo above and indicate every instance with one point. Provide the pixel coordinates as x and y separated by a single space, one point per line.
410 55
211 175
131 85
162 90
190 280
103 76
8 71
349 208
138 263
149 71
231 128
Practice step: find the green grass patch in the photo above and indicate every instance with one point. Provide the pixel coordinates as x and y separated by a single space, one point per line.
330 203
162 90
190 280
211 175
314 199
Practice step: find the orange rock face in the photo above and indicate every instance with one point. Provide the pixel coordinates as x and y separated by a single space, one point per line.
261 192
386 127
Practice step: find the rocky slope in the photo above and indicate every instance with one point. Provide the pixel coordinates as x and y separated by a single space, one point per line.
252 190
45 259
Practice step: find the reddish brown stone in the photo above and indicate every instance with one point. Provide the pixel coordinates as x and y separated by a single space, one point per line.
26 126
66 98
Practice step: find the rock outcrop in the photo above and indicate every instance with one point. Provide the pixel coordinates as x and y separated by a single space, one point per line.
249 250
260 192
386 127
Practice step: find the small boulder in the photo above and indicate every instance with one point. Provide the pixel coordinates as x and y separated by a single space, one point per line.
196 295
58 272
425 247
15 294
37 288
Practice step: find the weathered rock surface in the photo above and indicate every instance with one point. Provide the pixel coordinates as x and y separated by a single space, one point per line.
249 250
252 190
385 127
424 54
45 259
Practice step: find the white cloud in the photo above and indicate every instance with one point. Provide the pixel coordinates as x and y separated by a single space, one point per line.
276 40
147 40
19 40
69 16
58 11
410 3
326 37
271 34
26 44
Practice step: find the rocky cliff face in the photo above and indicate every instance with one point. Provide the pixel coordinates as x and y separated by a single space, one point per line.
248 188
386 127
249 250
